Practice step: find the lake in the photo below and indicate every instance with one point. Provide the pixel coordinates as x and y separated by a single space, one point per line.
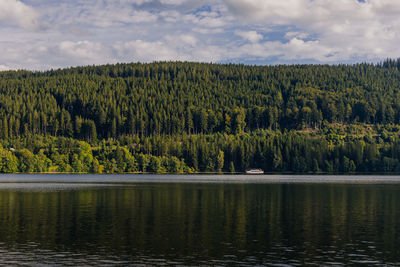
199 220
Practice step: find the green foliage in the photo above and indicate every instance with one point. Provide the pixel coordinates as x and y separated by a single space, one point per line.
175 165
154 165
8 162
97 168
110 166
76 165
231 167
220 160
271 150
182 117
175 98
143 162
26 160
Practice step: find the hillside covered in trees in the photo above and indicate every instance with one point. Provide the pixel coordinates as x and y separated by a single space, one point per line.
190 117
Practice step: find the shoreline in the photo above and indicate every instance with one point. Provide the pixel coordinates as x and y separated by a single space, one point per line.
212 174
126 179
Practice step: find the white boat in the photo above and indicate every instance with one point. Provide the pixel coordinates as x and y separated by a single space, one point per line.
254 171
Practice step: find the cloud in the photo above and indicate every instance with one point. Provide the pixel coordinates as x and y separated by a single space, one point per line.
173 2
18 13
136 2
251 36
103 14
343 29
81 49
305 12
110 31
4 68
141 2
177 47
144 51
83 32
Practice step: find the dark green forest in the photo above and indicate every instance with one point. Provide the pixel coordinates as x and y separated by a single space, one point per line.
180 117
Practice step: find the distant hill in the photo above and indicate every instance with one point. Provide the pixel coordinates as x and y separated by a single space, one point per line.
181 97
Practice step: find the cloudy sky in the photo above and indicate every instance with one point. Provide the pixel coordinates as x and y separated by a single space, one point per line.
44 34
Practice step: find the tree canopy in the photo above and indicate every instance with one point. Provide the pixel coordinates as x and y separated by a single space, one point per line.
182 116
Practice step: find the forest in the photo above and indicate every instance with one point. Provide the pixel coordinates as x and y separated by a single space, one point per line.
183 117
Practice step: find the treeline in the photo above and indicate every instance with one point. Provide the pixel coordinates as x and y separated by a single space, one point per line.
173 117
169 98
334 149
330 150
49 154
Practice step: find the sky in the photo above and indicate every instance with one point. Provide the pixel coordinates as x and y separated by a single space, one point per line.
50 34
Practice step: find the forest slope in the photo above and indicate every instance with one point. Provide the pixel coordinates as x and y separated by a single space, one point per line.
269 116
173 98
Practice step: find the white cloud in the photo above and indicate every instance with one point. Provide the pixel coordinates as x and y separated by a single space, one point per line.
141 2
81 49
344 28
295 49
16 12
83 32
178 47
136 2
205 21
301 11
182 40
252 36
107 15
173 2
4 68
82 53
144 51
299 35
208 31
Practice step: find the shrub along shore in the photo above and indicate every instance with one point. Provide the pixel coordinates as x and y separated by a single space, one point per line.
335 149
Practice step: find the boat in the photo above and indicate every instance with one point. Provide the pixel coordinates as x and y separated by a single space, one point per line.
254 171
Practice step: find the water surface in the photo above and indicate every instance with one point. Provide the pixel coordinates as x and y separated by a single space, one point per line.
199 220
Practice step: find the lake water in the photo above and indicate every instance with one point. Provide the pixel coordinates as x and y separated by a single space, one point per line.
199 220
